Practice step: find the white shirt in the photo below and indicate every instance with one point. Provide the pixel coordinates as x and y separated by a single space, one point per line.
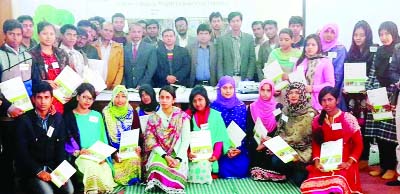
76 58
183 41
105 55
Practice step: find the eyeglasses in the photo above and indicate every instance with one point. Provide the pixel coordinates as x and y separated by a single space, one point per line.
87 98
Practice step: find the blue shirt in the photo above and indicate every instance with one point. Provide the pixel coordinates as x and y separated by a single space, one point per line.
203 64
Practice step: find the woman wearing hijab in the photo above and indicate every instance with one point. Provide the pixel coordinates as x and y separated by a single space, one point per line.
329 35
236 163
318 70
119 116
263 108
294 127
362 50
148 102
383 131
206 118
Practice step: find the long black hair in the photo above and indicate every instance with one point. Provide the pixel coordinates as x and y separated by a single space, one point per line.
319 51
198 90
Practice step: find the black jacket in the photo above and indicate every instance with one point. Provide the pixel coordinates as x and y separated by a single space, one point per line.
34 148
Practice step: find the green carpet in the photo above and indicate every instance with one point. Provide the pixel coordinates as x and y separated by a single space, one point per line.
227 186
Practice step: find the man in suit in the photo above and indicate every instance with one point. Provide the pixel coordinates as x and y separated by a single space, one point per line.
262 49
152 31
236 56
173 62
203 58
140 59
183 39
112 54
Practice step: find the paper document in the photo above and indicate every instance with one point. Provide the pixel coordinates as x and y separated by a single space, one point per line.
98 66
94 78
298 76
236 134
62 173
281 149
143 122
355 77
99 151
259 131
378 98
68 80
200 144
15 92
331 154
128 143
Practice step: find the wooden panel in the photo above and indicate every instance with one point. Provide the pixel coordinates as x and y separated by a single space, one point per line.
5 13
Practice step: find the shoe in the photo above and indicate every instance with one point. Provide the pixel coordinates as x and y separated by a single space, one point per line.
363 164
393 183
375 172
389 174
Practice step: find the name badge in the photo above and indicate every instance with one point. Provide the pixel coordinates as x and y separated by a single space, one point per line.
50 131
55 65
24 66
284 118
336 126
390 59
127 122
46 67
93 119
276 112
332 55
204 126
293 59
373 49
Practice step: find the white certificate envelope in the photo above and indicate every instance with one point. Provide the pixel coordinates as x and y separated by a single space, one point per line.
98 66
201 145
143 122
99 151
236 134
62 173
128 143
68 80
15 92
273 71
298 76
355 70
94 78
331 154
259 131
378 97
281 149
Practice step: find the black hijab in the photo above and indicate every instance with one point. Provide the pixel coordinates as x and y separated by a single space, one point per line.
150 91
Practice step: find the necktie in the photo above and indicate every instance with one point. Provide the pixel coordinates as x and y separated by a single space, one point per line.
134 51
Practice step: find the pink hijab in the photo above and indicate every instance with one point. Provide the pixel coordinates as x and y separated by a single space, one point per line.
326 46
263 109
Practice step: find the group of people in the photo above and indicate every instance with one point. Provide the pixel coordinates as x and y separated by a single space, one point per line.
40 139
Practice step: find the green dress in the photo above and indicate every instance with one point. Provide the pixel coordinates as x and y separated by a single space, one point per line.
286 60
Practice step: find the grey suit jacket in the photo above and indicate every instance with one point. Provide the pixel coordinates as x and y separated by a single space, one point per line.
193 49
225 56
140 71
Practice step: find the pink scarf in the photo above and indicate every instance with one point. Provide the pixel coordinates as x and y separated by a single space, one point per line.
263 109
326 46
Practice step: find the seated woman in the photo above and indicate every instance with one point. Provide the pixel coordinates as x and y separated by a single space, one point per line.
236 163
148 102
166 143
331 125
263 108
206 118
119 116
85 127
295 128
318 70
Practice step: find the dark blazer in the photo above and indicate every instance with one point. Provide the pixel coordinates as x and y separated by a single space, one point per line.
225 56
263 54
34 148
193 50
180 66
140 71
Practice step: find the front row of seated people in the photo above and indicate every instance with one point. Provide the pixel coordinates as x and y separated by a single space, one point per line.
165 160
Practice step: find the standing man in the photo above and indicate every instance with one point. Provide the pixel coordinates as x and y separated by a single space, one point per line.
271 31
118 21
27 26
68 40
216 22
112 54
296 24
183 39
83 46
236 56
173 62
261 48
153 29
89 28
140 59
203 58
40 144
